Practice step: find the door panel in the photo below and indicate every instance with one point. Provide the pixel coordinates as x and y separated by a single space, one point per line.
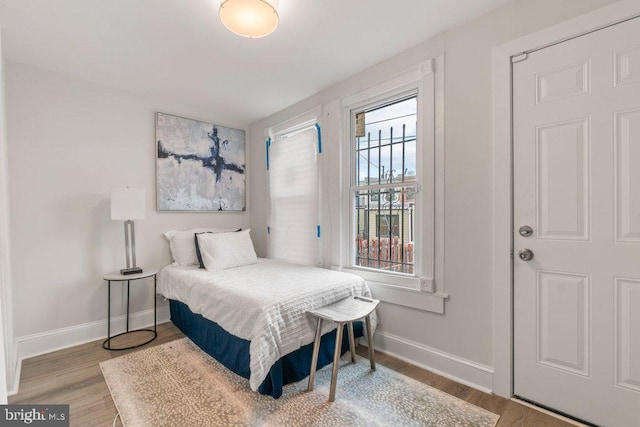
627 66
628 333
627 157
570 80
562 158
576 130
563 316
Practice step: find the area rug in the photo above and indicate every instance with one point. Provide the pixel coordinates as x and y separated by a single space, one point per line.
177 384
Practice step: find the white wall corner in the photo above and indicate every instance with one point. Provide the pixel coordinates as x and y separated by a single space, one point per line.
59 339
7 348
455 368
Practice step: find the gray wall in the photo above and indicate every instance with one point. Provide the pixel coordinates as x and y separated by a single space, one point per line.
70 143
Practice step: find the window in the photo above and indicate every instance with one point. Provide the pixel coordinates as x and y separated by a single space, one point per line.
392 205
294 202
384 184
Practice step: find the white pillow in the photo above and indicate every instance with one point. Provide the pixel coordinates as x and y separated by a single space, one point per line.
183 246
227 250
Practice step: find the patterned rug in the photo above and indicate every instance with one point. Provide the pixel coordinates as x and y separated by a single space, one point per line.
177 384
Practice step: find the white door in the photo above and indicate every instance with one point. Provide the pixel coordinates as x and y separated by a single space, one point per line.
577 185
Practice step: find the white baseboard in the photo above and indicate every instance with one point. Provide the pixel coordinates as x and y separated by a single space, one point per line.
456 368
58 339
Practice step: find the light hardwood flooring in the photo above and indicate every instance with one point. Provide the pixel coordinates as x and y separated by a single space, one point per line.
73 376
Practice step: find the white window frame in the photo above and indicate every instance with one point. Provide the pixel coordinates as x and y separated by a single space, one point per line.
402 279
425 288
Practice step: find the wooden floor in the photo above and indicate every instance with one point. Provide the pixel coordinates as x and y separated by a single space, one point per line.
72 376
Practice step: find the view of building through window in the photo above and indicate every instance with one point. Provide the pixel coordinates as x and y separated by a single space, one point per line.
385 181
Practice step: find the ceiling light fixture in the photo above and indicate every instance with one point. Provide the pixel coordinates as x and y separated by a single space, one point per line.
249 18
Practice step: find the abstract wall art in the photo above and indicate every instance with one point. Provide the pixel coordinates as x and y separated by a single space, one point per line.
200 166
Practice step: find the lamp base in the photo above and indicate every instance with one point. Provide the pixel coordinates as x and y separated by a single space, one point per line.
133 270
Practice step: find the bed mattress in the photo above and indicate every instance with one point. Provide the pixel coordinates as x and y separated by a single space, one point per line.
264 303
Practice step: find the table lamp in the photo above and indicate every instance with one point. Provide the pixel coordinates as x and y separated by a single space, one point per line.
128 204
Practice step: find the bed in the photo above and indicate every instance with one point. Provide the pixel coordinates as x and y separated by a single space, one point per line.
253 319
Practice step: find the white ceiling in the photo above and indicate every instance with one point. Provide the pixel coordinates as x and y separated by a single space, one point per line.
178 49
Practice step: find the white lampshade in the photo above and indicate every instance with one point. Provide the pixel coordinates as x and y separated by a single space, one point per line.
249 18
127 203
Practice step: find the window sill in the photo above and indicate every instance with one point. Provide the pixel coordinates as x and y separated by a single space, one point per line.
400 290
400 280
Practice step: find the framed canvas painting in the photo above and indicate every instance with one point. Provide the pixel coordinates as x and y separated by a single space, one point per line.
200 166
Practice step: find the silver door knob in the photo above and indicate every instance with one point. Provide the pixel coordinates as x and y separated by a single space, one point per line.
526 254
525 231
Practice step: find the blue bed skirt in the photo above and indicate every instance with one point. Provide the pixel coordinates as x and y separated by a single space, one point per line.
233 352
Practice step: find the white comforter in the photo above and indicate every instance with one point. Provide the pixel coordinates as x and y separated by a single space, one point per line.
264 303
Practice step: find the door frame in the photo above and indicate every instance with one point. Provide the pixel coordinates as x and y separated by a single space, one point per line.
502 316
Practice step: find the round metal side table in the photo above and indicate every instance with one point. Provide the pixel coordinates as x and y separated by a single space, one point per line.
117 277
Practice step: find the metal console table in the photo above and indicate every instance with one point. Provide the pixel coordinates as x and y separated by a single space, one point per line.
117 277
